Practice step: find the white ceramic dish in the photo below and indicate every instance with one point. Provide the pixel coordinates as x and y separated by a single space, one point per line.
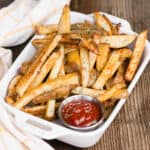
54 130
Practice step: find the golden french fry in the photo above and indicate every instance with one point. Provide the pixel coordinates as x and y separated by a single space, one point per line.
124 52
102 58
121 93
119 77
24 67
54 94
73 59
110 68
92 59
64 22
68 50
109 84
87 91
12 85
35 66
68 69
44 70
109 93
62 70
40 43
57 66
103 22
97 38
90 45
85 66
109 103
136 57
35 110
46 29
69 41
118 41
69 79
50 109
71 46
9 100
92 78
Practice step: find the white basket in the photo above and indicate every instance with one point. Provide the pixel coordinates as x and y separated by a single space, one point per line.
54 130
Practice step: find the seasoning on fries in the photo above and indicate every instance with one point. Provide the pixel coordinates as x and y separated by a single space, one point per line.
81 58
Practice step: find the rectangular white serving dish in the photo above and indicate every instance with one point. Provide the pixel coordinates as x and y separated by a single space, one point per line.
54 130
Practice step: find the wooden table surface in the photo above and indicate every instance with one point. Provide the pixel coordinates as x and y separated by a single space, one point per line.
131 128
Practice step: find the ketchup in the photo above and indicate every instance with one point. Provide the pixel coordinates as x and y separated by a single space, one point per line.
81 113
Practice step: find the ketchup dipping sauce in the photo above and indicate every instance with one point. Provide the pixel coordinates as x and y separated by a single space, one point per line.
81 112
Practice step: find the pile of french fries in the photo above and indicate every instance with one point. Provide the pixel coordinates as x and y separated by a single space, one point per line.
81 58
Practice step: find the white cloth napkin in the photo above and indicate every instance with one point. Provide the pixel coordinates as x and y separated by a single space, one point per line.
17 24
5 60
18 19
13 138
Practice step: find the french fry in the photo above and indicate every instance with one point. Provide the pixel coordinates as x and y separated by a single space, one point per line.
124 52
92 78
24 67
68 68
90 45
40 43
69 41
110 68
69 79
57 66
68 50
119 77
85 66
109 103
50 109
54 94
45 69
136 57
35 110
102 58
64 22
118 41
92 59
45 29
12 85
62 70
9 100
73 59
35 66
70 46
121 93
109 83
103 22
87 91
109 93
97 38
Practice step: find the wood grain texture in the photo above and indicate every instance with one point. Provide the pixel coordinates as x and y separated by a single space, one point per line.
131 128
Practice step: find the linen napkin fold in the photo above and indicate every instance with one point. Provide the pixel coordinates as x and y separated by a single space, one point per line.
13 138
18 19
5 60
